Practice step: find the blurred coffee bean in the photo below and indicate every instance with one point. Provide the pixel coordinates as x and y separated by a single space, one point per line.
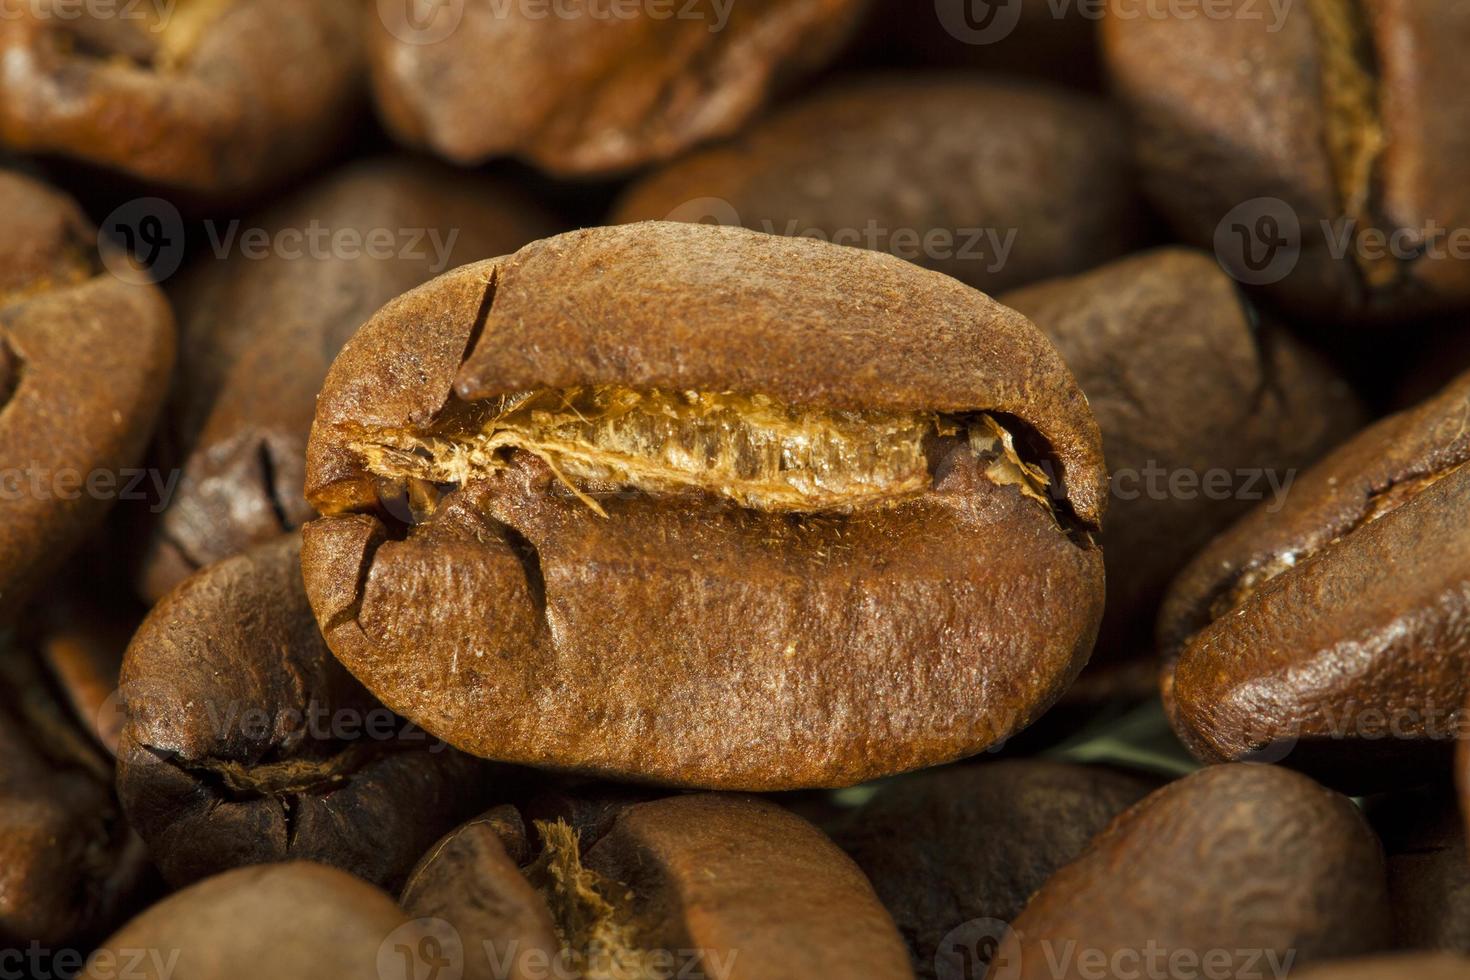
246 743
260 331
1243 866
1404 966
1428 871
973 842
997 183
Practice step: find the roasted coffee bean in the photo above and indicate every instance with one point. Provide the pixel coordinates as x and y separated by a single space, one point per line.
1203 409
1234 862
1428 871
706 507
973 842
258 334
295 921
995 183
67 860
1321 148
1329 633
1405 966
626 90
84 365
212 96
247 743
703 885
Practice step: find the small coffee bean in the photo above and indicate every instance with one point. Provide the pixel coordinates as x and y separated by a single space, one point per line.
996 183
84 367
703 885
246 743
643 85
214 96
296 921
1250 861
260 330
691 509
1319 147
974 842
1204 411
1328 633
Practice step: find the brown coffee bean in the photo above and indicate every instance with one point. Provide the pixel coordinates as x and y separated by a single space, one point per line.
84 365
1332 132
67 860
626 91
214 96
295 921
965 843
260 332
1428 871
247 743
703 885
1329 633
689 509
1202 408
1239 861
995 183
1404 966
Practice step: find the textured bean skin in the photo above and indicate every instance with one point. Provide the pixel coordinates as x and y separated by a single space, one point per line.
1235 857
624 645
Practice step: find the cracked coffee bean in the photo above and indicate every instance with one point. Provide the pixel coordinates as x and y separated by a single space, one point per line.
627 90
1333 132
1186 383
1428 871
703 885
84 366
1329 633
1257 862
246 743
995 183
291 920
258 335
706 507
946 847
211 96
67 860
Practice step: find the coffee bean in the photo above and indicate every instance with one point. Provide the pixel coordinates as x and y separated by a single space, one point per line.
1329 135
1404 966
691 509
642 86
67 860
247 743
1203 410
1253 861
260 331
293 920
995 183
973 842
1328 633
217 97
707 885
84 370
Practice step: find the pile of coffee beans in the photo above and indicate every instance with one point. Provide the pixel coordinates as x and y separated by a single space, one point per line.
734 489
